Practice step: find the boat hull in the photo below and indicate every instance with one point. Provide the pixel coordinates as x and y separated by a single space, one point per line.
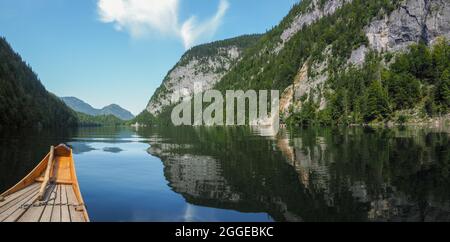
37 199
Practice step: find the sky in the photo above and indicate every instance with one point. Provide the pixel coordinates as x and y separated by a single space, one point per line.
119 51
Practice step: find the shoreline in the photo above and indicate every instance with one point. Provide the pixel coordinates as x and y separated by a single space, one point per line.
428 122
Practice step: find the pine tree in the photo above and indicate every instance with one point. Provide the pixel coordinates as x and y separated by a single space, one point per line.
444 89
441 56
403 88
420 60
377 102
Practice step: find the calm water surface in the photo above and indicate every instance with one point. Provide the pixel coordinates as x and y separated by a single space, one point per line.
238 174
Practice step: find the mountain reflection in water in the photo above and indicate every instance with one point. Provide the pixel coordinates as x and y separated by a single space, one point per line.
355 174
241 174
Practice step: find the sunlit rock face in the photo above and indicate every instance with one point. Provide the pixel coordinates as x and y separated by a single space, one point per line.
206 71
198 70
413 21
314 12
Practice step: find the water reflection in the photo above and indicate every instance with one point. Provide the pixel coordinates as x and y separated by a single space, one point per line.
114 150
79 148
21 151
240 174
398 175
312 174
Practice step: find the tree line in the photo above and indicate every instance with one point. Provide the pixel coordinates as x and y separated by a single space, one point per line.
416 84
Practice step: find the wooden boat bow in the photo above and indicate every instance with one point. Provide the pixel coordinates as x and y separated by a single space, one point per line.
49 193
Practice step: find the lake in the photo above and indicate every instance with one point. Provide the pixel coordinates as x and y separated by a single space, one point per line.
240 174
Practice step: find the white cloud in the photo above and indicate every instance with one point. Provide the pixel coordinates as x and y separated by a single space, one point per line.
142 17
191 31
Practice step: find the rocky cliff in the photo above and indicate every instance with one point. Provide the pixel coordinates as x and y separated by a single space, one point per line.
410 22
314 11
205 65
314 45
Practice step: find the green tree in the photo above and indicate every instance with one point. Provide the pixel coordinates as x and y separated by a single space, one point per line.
421 62
403 88
430 103
24 101
444 89
377 102
441 56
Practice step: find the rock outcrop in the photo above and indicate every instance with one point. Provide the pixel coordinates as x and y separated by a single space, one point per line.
315 11
198 70
392 29
413 21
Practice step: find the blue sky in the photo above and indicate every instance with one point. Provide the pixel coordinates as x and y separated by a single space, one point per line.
118 51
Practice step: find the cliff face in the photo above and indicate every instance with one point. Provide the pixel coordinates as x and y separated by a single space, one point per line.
413 21
315 11
205 65
317 40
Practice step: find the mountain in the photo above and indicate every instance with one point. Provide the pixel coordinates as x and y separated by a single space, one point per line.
24 101
117 111
82 107
333 60
205 64
345 61
85 120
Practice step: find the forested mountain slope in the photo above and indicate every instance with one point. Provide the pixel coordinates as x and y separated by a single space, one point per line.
24 101
205 64
349 61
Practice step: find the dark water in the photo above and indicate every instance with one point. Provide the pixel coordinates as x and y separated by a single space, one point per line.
236 174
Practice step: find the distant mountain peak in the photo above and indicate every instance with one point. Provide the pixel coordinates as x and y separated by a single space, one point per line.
117 111
113 106
79 105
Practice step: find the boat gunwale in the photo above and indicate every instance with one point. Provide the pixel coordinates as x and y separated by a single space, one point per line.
28 179
31 177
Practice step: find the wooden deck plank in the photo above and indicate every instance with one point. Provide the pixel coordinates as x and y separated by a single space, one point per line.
65 215
6 210
19 198
16 211
61 202
47 214
56 213
12 197
75 216
33 213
